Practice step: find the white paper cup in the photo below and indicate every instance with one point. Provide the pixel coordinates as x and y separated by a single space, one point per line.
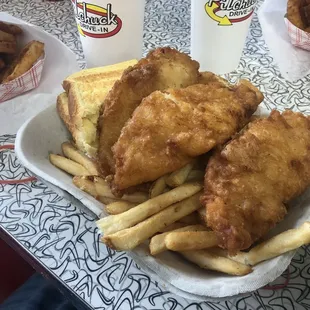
110 31
218 32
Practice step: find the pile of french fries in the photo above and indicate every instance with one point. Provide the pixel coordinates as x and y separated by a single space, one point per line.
8 43
170 217
15 62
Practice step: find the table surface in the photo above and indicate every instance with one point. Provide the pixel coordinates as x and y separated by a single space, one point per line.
64 239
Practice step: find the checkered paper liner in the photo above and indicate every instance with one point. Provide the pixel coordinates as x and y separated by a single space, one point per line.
24 83
298 37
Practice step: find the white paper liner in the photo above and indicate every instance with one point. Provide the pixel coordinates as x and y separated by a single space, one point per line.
299 38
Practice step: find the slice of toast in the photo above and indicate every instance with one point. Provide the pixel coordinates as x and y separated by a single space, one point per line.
63 110
93 74
85 93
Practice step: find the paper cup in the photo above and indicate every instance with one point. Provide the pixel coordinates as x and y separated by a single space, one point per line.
218 32
298 37
110 31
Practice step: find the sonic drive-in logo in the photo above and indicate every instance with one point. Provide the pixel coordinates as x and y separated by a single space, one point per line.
229 12
95 21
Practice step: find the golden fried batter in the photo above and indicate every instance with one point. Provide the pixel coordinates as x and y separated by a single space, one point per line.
248 182
162 68
170 128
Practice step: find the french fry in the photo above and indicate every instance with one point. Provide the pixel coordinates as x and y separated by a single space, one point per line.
72 153
202 215
7 47
211 261
100 180
119 207
190 240
10 28
190 219
68 165
173 226
178 177
5 36
158 245
195 175
103 189
26 58
129 238
114 223
287 241
106 200
158 187
85 185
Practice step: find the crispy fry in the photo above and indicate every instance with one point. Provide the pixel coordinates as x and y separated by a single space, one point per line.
68 165
114 223
119 207
129 238
158 187
190 240
195 175
103 189
107 200
158 245
72 153
100 180
190 219
25 60
287 241
85 185
211 261
178 177
7 37
173 226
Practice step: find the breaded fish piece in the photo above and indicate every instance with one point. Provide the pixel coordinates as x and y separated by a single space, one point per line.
162 68
248 182
170 128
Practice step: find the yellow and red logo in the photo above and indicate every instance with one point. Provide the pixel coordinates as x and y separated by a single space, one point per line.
229 12
95 21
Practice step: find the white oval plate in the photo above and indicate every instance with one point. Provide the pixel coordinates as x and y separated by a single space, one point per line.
45 132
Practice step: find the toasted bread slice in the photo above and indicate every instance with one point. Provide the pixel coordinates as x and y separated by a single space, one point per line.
86 91
85 100
93 74
63 110
24 61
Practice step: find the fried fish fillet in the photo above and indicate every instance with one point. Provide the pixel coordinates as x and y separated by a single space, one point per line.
170 128
248 182
162 68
